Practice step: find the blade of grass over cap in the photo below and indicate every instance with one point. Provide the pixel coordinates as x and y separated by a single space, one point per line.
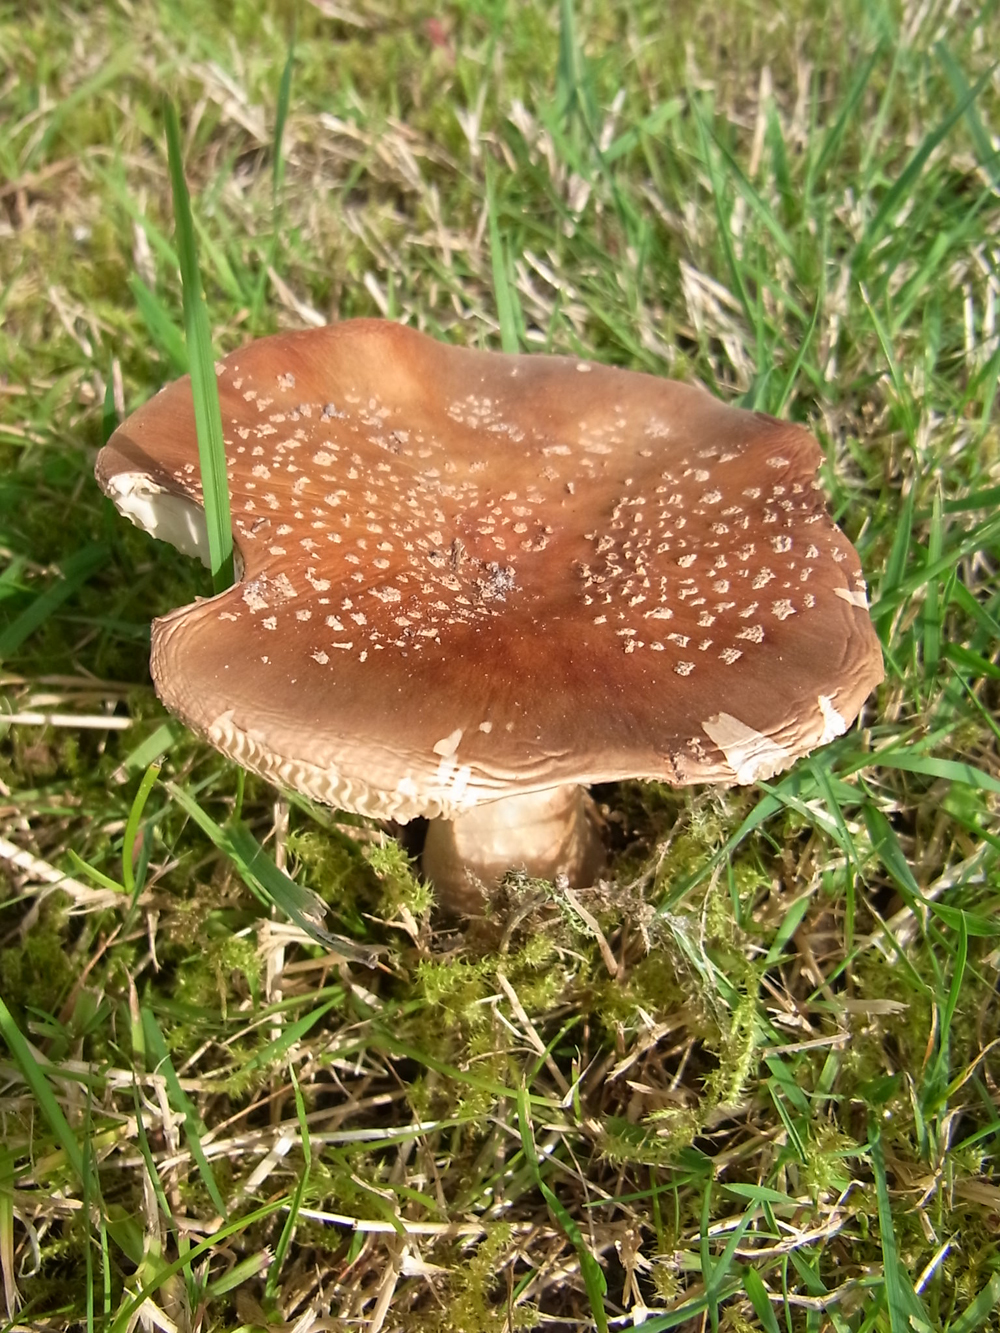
109 417
504 291
208 417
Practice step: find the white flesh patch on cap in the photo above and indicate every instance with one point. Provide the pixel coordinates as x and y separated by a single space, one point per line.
459 785
833 723
447 746
169 517
856 597
750 754
450 785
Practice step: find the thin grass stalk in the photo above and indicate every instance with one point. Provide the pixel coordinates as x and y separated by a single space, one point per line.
207 413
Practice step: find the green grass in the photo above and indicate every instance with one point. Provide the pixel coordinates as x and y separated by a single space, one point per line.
778 1108
204 388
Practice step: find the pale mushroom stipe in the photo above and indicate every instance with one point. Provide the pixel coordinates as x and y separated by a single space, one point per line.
472 584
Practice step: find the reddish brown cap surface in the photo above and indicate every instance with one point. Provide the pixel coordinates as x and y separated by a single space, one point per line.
469 574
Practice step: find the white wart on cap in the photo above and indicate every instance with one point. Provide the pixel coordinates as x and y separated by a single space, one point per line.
468 575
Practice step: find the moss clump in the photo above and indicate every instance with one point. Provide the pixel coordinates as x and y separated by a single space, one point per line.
400 887
335 868
823 1172
455 988
227 970
652 985
38 971
474 1304
736 1049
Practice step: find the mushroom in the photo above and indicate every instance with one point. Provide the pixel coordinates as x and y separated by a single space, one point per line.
472 584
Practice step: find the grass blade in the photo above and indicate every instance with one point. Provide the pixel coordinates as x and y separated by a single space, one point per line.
887 848
593 1273
755 1289
302 906
132 887
298 1196
290 1037
936 1082
162 1064
988 156
951 770
722 222
281 118
834 136
975 1315
38 1082
503 288
902 186
898 556
305 908
160 325
126 1315
204 387
109 416
905 1308
75 572
932 602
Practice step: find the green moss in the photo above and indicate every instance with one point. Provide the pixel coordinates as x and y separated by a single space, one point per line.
666 1282
541 990
400 885
474 1105
475 1301
331 866
652 985
736 1050
539 974
226 971
454 989
38 972
825 1171
653 1145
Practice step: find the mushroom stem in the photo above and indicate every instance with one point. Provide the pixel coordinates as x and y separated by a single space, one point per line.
546 833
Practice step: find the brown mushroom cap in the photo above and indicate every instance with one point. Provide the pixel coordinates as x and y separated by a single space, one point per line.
467 575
